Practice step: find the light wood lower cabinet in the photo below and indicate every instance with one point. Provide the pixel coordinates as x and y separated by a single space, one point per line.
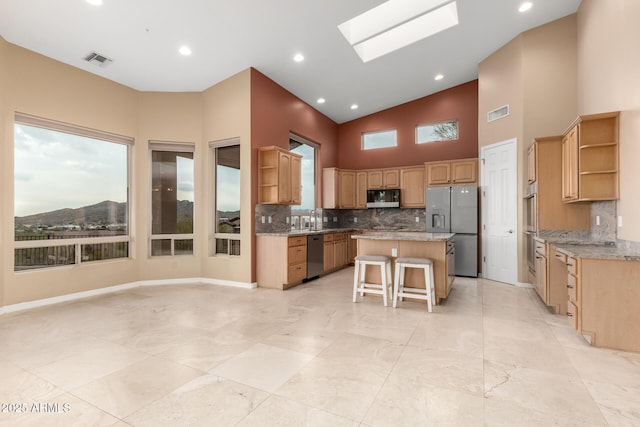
335 251
603 297
275 272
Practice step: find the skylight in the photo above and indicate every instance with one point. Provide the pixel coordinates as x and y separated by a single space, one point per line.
396 24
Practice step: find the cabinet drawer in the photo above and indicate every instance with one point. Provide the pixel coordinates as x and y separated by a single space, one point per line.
561 257
297 241
541 248
297 273
297 255
572 315
328 237
572 265
572 288
338 237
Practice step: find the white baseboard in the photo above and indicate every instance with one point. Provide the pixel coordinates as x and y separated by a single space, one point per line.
110 289
524 285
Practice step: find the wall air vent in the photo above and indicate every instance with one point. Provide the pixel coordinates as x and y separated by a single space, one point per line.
97 59
498 113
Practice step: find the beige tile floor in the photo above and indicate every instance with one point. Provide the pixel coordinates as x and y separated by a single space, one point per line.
213 356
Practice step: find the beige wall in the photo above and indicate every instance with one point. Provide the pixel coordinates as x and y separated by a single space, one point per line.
227 114
171 117
36 85
535 75
608 80
4 152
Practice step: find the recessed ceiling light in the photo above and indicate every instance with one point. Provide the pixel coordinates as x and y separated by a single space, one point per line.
321 100
95 2
396 24
438 77
525 6
185 50
299 57
354 106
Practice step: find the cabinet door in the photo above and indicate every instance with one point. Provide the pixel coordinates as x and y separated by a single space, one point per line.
438 173
328 254
570 165
361 190
374 179
391 178
463 171
531 164
296 180
284 178
347 195
340 253
330 188
413 188
541 277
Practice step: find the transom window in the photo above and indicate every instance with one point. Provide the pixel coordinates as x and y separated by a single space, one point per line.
71 194
443 131
379 139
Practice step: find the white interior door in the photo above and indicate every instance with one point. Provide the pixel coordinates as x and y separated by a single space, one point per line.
499 212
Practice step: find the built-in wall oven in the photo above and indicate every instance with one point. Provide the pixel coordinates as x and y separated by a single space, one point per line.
531 225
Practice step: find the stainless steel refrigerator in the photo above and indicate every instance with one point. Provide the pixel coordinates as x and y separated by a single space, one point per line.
455 210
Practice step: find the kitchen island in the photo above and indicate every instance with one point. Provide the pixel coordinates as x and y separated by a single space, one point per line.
437 246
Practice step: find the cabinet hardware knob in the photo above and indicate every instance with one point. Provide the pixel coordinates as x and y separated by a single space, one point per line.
569 287
569 314
570 265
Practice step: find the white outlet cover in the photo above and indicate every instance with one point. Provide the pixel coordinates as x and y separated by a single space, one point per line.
269 219
287 220
619 220
325 219
417 219
263 219
394 252
597 219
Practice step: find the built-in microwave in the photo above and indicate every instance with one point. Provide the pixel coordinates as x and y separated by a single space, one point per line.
387 198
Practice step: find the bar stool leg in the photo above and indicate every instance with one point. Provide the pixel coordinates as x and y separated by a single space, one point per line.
384 277
428 287
401 285
355 279
396 285
389 288
363 275
433 285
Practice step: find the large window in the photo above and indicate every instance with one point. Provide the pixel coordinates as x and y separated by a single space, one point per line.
303 215
381 139
71 194
443 131
172 178
226 156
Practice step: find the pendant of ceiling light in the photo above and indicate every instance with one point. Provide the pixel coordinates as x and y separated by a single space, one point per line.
396 24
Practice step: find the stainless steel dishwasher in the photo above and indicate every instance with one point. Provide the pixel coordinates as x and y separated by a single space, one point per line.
315 255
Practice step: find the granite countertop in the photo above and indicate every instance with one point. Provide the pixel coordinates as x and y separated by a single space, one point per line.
602 251
306 232
405 235
569 238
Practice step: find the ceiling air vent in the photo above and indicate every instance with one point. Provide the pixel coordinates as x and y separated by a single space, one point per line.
97 59
498 113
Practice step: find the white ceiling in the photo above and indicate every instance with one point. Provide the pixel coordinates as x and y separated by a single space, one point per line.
228 36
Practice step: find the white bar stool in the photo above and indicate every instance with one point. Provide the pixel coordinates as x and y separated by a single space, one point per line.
359 284
399 289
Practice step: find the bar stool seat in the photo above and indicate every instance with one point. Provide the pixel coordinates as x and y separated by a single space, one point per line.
399 288
359 283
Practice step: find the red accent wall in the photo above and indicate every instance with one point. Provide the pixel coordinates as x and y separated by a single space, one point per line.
274 113
460 102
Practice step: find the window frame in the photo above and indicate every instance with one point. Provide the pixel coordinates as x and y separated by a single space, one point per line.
180 147
378 132
78 242
316 148
457 138
215 236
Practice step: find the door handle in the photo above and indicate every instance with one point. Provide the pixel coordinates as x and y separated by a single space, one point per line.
510 231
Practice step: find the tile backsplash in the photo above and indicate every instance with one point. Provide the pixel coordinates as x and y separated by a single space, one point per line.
607 230
377 219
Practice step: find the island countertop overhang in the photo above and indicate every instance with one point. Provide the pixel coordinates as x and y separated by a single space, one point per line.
405 236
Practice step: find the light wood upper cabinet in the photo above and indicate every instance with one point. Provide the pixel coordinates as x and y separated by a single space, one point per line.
438 173
531 164
347 190
279 176
590 158
343 189
383 178
550 211
361 190
462 171
412 186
